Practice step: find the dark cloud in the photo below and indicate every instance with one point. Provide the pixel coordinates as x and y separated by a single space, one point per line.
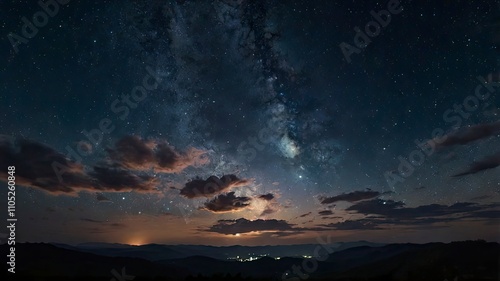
267 197
469 134
388 223
211 186
117 225
227 203
42 167
245 226
132 152
487 163
363 224
351 197
397 213
116 179
267 211
36 165
270 209
329 218
272 205
91 220
487 214
304 215
392 214
325 213
376 206
242 225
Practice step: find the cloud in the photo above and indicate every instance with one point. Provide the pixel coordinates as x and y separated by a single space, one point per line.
267 211
91 220
388 223
272 206
469 134
34 167
40 166
245 226
362 224
211 186
377 206
351 197
395 209
271 209
267 197
487 214
227 203
304 215
242 225
391 213
325 213
487 163
117 225
120 180
132 152
396 213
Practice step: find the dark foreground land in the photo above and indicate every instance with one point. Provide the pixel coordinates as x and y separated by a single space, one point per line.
469 260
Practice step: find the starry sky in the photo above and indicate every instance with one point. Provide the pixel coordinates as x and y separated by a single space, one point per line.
251 122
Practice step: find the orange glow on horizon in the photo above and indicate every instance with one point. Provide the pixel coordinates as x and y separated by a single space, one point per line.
136 241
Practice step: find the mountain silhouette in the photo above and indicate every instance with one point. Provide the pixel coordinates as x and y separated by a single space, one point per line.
468 260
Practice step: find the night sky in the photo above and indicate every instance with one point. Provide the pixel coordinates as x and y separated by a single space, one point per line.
244 122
